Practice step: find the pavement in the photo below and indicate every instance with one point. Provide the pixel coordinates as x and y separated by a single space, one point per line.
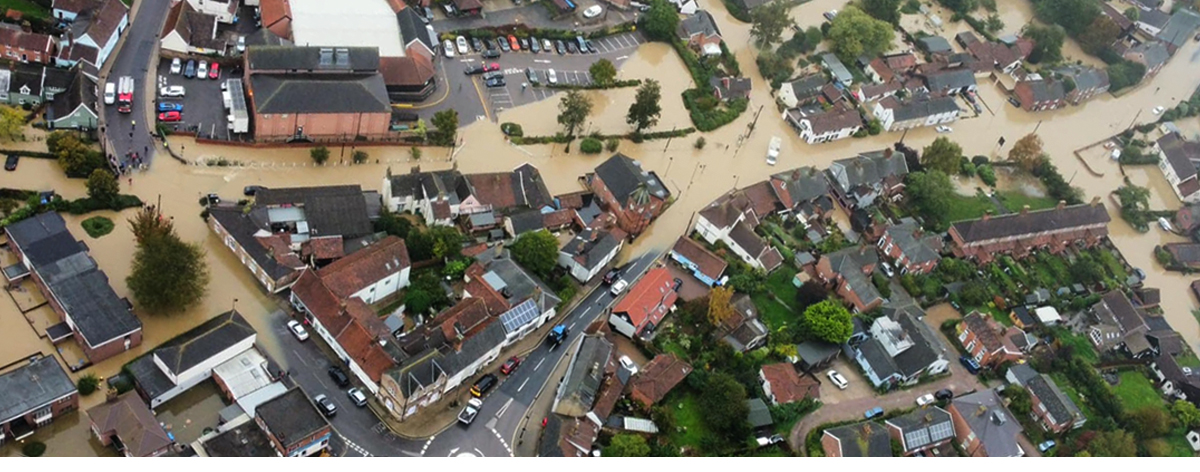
134 57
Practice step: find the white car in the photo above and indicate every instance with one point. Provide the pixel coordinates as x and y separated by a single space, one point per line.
297 330
628 364
593 11
176 66
171 91
551 76
618 287
110 93
462 45
1165 225
448 48
241 44
945 129
837 379
202 70
1115 154
1158 110
925 399
547 45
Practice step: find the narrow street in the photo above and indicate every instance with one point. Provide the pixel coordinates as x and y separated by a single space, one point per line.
134 57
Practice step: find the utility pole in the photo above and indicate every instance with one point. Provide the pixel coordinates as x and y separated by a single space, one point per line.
670 160
1135 117
1035 128
669 139
750 127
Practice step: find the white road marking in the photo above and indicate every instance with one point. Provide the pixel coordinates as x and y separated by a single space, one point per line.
585 312
430 441
522 385
355 447
504 409
571 328
539 364
541 61
622 58
298 356
502 443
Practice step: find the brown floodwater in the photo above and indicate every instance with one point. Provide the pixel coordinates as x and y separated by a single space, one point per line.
69 435
187 415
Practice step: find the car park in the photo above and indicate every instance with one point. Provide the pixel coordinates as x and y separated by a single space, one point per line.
513 43
873 413
572 47
628 364
297 330
524 43
168 106
837 379
171 91
483 385
510 365
176 66
461 42
325 405
491 54
10 162
551 76
448 48
531 75
547 45
170 116
971 365
357 396
590 47
190 70
925 399
214 72
560 47
618 287
495 82
202 70
339 376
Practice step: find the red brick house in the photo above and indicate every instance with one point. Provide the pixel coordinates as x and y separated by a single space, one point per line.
1041 95
985 340
1018 234
782 384
293 424
128 425
849 273
657 378
277 17
645 304
913 251
634 195
33 395
26 46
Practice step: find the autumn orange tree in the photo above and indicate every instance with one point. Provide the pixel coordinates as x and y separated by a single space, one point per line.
1027 152
719 306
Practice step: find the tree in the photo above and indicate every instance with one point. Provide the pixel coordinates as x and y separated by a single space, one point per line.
1073 15
1133 14
974 293
1047 43
883 10
943 155
994 23
603 72
627 445
75 157
1148 422
147 224
573 110
446 122
767 22
1187 414
12 123
660 23
645 110
536 251
1027 152
855 33
930 194
319 155
719 306
1134 199
168 274
420 245
774 67
828 321
810 293
963 7
88 384
1117 443
414 153
102 186
1100 35
723 401
447 241
421 129
1125 73
393 224
359 156
1020 401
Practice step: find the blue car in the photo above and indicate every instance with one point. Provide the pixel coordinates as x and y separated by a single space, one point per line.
166 106
873 413
971 365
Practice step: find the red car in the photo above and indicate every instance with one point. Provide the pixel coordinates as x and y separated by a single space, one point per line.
214 72
170 116
516 46
510 365
491 67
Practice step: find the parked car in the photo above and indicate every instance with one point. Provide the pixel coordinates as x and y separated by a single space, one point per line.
1158 110
534 45
590 47
873 413
618 287
495 82
469 412
971 365
170 116
943 394
513 43
461 42
830 15
190 70
476 44
510 365
581 43
1141 274
1014 102
551 76
484 384
628 364
297 330
491 67
560 47
887 269
110 93
1046 446
325 405
764 441
252 190
593 11
925 399
837 379
945 129
676 284
524 43
448 48
176 66
10 163
241 44
1164 224
473 70
491 54
572 47
339 376
202 70
214 71
357 396
504 44
547 45
171 91
168 106
612 276
531 75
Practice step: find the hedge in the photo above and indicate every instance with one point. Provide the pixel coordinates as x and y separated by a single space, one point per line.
591 146
563 139
712 117
593 86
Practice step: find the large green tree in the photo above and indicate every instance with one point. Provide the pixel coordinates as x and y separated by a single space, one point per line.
536 251
1099 36
1073 15
1116 443
1147 422
660 22
1187 413
446 122
75 157
573 110
767 23
168 274
603 71
102 186
723 402
1125 73
447 241
645 110
1047 43
855 33
930 194
883 10
627 445
828 321
943 154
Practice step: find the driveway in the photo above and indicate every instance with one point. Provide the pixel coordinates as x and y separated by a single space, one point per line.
857 386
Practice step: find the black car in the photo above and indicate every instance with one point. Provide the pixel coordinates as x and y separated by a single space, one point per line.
612 276
572 47
10 163
325 405
339 376
488 43
484 384
492 75
524 44
251 190
943 394
491 54
560 47
678 282
476 44
473 70
504 46
495 82
1014 102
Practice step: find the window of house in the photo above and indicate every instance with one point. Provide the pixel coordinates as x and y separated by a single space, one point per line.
979 357
284 116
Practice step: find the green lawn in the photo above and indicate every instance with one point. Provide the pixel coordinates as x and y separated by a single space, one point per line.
969 208
688 419
1069 390
780 283
1136 391
1081 344
1179 444
772 312
1015 201
26 7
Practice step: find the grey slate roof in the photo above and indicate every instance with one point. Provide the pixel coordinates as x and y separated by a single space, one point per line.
319 93
309 59
150 379
701 23
849 263
520 283
808 86
334 210
584 376
1085 78
591 246
836 67
992 423
924 107
26 75
868 168
1180 153
412 28
623 176
905 326
934 44
1154 52
291 417
853 437
242 229
531 220
31 386
264 37
923 426
1016 224
204 341
759 415
473 348
81 92
1180 27
1045 90
1023 373
950 79
420 185
1057 404
917 247
1153 17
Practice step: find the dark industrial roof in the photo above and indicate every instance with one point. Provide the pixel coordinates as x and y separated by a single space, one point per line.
1017 224
318 93
312 59
624 176
31 386
334 210
291 417
203 342
246 440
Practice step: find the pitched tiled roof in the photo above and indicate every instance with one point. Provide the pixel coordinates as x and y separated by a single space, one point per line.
102 23
132 421
624 176
995 426
864 439
985 329
591 247
1057 404
1181 154
415 70
707 262
196 28
28 41
787 386
657 378
365 267
799 185
1018 224
648 299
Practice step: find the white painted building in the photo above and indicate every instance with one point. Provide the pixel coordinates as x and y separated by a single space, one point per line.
224 10
191 358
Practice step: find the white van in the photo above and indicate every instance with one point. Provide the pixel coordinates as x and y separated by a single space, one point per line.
110 93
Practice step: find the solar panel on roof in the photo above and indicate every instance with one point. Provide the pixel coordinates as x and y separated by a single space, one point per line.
941 431
917 438
519 316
